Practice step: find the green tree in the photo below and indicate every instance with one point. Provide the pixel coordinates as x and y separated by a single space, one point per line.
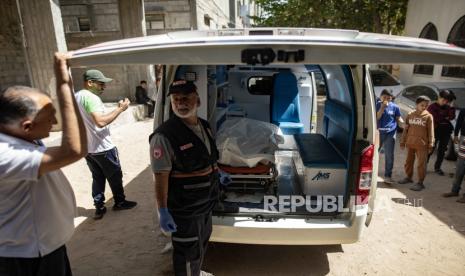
378 16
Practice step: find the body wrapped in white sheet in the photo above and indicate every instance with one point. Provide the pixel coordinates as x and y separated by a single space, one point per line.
245 142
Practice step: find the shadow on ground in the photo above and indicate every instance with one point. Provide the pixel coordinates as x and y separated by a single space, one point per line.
127 243
237 259
447 210
123 242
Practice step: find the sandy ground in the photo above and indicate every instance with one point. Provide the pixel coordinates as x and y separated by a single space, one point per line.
402 239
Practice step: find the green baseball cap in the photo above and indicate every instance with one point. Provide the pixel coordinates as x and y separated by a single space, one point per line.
95 75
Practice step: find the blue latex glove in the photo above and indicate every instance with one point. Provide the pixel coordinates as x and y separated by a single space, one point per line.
225 178
167 223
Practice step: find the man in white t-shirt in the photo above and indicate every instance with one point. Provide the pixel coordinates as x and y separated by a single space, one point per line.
102 160
37 204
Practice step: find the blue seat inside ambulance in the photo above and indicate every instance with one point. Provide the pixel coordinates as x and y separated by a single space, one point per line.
331 148
285 103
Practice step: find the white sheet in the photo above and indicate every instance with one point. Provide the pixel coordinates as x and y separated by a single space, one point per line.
245 142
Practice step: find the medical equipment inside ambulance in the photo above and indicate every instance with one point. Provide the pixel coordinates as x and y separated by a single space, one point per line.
274 136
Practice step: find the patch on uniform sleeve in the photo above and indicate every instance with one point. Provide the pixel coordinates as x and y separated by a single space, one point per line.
158 152
186 146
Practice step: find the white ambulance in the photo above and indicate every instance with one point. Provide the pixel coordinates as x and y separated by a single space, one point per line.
270 76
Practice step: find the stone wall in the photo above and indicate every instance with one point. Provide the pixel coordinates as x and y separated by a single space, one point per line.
13 69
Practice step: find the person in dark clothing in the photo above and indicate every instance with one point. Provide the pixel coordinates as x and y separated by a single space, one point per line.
143 98
460 165
183 157
443 113
459 126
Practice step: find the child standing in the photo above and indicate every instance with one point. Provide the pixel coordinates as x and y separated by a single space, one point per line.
418 137
388 116
443 113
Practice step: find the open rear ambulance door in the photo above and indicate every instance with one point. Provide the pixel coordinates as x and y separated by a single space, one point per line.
274 46
368 89
271 46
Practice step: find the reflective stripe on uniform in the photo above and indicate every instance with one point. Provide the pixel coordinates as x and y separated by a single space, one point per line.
195 186
177 239
188 269
204 172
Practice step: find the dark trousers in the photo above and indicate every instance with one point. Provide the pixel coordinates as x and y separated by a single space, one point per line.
150 108
388 142
106 166
53 264
441 136
190 243
459 175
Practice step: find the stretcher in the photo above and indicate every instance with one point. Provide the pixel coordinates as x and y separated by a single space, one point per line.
248 180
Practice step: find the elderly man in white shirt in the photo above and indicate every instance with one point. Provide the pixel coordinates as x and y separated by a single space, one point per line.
37 204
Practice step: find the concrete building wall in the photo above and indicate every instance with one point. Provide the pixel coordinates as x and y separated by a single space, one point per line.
225 13
167 16
103 16
88 22
212 14
164 16
244 9
443 14
13 68
43 34
132 18
105 20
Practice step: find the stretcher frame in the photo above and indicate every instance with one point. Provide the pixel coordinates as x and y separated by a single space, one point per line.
250 182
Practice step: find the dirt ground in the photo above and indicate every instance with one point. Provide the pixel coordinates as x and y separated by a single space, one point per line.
426 237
